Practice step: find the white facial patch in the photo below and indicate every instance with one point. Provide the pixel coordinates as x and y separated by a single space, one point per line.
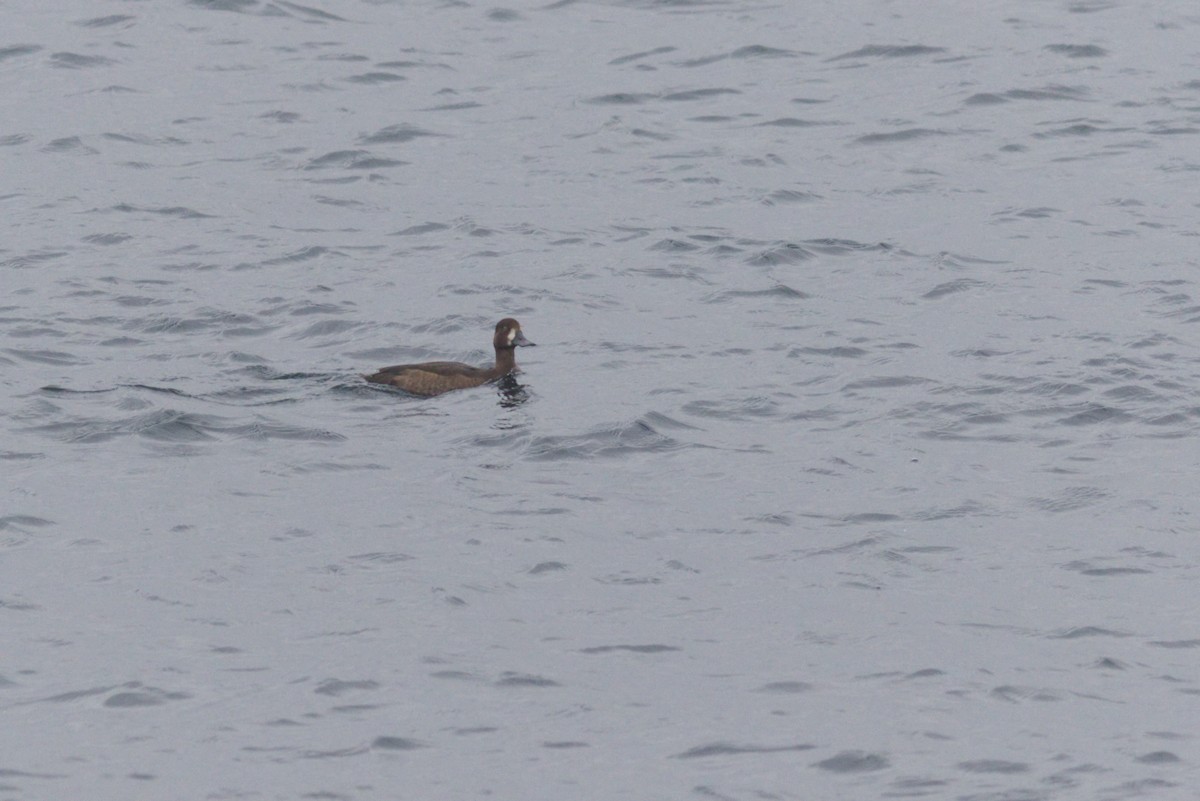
512 335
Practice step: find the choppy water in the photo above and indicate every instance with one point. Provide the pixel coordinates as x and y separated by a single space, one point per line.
856 460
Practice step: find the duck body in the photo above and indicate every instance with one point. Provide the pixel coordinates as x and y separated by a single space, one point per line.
434 378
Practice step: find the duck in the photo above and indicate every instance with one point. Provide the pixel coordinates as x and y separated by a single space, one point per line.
434 378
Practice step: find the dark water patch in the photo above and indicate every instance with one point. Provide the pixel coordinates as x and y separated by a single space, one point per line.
453 106
777 292
19 606
142 697
1108 571
545 567
182 212
1095 414
456 675
204 320
352 160
993 766
761 51
1070 499
10 140
624 580
504 15
57 390
105 22
723 749
867 518
887 382
889 51
620 99
390 743
792 122
655 135
853 762
1132 393
985 99
826 246
925 673
780 253
15 51
139 301
789 196
313 14
423 228
1031 213
75 695
749 408
1090 6
673 246
1049 92
338 687
77 61
1175 644
20 456
658 51
389 558
687 272
303 254
375 78
165 425
1158 758
1077 51
239 6
985 419
404 65
107 239
606 442
635 649
1049 389
907 135
953 288
396 134
1108 663
286 117
699 94
22 523
45 357
1079 632
265 430
525 680
660 420
747 52
138 139
838 352
785 687
1168 130
1079 129
191 267
303 307
69 144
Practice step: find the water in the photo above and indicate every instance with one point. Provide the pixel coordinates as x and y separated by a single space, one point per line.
856 459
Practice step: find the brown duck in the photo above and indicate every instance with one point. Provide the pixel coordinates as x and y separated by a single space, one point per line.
434 378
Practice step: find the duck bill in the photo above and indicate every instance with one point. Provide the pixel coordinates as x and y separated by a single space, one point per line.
521 340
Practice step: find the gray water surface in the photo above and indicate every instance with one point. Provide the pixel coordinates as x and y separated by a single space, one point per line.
857 458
